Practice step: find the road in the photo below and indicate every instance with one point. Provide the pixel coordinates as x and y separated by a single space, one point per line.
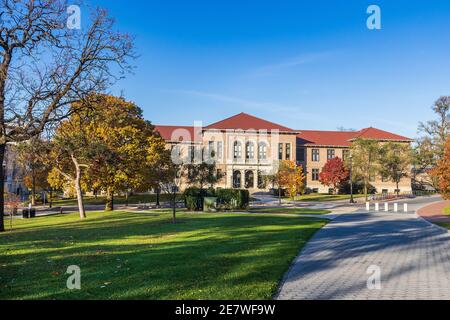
413 258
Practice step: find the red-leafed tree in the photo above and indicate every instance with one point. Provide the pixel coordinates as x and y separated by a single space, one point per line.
334 173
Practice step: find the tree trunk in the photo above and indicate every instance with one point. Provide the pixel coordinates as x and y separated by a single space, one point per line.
365 191
126 198
2 187
158 192
33 189
279 196
50 201
79 193
109 200
77 185
174 208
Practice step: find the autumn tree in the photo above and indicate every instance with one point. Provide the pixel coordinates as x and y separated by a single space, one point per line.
442 172
203 174
122 137
334 173
45 66
72 150
291 177
31 156
395 162
364 161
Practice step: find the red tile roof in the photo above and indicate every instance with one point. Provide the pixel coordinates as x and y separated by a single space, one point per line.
245 121
377 134
344 138
178 133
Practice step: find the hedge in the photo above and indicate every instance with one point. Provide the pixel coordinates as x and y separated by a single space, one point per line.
228 199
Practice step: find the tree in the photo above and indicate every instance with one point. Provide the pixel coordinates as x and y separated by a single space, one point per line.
202 174
72 149
423 160
45 66
122 137
334 173
395 161
31 157
365 154
442 171
291 177
436 131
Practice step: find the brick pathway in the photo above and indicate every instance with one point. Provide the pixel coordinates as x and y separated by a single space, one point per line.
413 255
433 212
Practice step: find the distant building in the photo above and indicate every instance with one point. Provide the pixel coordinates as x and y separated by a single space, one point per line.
13 174
246 148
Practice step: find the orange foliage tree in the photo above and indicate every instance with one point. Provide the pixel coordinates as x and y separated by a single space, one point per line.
442 172
291 177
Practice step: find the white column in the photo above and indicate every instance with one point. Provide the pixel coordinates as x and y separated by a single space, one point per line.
377 206
386 207
405 207
368 206
395 207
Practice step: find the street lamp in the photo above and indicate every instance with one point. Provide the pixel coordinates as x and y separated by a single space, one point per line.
351 179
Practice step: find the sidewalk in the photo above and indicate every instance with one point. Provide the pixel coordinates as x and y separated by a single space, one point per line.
434 212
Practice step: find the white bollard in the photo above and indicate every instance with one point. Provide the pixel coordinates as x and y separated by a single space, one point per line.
386 207
377 206
368 206
405 207
395 207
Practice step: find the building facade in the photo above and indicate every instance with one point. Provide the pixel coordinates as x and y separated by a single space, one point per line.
246 148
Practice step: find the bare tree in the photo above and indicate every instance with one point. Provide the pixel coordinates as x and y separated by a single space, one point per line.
45 66
436 131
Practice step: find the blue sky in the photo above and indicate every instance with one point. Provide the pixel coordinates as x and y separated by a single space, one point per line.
303 64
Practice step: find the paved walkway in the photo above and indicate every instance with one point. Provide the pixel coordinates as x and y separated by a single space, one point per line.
413 256
434 212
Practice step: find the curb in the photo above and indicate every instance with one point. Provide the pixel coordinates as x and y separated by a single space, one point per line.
432 224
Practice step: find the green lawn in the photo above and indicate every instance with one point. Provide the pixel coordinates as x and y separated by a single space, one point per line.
326 197
447 210
144 256
300 211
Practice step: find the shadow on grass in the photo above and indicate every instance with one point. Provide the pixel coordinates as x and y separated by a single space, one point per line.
144 256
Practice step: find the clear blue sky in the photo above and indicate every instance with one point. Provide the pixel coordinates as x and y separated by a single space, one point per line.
303 64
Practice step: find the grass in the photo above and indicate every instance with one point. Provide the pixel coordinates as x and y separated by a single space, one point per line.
446 210
444 224
143 256
299 211
326 197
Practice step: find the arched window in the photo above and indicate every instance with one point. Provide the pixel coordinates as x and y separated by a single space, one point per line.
237 150
262 150
249 151
249 180
236 179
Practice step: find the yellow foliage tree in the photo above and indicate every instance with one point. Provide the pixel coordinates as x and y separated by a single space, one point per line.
291 177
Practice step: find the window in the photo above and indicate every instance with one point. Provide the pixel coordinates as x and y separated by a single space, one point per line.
237 150
192 153
345 154
261 181
236 179
288 151
211 150
249 151
249 180
315 174
262 151
219 150
331 154
300 154
315 155
280 151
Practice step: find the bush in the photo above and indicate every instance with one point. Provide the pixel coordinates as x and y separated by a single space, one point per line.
233 199
194 198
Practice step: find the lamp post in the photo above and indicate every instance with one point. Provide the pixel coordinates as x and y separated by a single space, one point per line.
351 179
